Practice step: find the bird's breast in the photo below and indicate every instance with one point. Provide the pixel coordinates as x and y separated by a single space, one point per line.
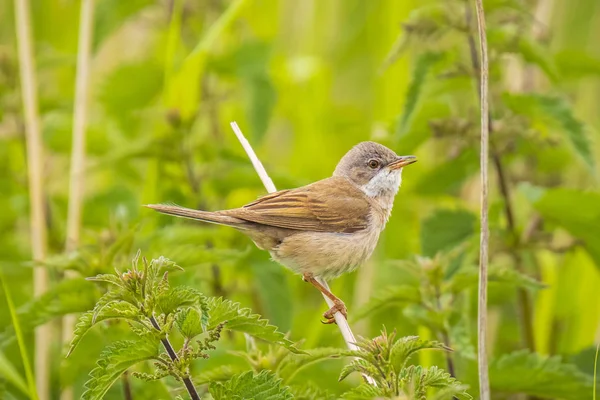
327 254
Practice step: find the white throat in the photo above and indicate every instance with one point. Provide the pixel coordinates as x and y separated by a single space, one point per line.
385 184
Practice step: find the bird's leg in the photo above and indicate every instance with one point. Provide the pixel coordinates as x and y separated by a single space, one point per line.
338 305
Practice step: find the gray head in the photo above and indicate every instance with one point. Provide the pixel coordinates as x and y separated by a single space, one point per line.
374 168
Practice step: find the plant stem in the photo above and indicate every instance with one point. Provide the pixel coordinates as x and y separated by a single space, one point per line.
189 385
35 162
484 384
126 386
523 300
77 172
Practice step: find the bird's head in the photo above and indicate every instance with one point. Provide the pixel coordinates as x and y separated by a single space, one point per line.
374 168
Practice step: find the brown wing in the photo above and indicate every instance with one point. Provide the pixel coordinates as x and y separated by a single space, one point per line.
330 205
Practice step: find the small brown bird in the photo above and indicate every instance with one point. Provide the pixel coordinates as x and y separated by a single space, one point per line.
323 229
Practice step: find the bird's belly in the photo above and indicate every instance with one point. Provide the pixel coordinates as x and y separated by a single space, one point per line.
325 254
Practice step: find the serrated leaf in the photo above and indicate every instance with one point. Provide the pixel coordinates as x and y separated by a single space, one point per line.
500 274
115 360
424 63
263 386
188 321
555 110
404 348
108 307
67 297
294 363
446 229
310 391
364 391
388 296
217 374
541 376
419 381
177 297
582 220
242 320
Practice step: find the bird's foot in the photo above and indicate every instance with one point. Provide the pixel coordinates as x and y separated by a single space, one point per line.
338 306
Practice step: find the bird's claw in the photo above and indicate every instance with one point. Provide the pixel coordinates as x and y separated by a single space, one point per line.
338 306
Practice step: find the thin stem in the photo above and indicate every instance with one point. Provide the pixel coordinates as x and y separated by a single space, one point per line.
341 322
77 172
189 385
127 394
523 300
484 383
35 161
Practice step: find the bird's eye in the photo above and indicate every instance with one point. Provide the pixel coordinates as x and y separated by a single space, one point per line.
374 164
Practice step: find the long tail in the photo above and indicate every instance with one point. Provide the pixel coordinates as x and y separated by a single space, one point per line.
206 216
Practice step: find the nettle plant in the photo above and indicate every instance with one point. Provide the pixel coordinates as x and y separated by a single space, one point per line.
156 311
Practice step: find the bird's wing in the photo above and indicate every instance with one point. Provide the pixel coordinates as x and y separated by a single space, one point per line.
330 205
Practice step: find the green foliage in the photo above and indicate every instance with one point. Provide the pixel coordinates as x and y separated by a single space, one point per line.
555 110
582 221
9 374
116 359
166 79
445 230
242 320
540 376
385 359
424 63
262 386
67 297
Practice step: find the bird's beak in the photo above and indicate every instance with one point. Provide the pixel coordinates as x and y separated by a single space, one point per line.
402 161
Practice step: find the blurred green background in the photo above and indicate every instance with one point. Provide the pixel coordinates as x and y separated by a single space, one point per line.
306 80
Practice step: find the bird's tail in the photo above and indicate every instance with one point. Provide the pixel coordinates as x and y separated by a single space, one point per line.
206 216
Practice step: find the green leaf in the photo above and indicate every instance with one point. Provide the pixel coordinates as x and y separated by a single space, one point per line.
183 88
115 360
577 64
364 391
294 363
557 111
108 307
541 376
188 321
217 374
419 381
449 176
9 373
446 229
424 63
404 348
310 391
67 297
577 212
111 14
242 320
20 340
180 296
263 386
386 297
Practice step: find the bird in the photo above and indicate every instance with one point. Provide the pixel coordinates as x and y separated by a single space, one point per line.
324 229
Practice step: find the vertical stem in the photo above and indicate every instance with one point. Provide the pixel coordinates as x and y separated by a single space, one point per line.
189 385
77 171
523 299
35 160
484 383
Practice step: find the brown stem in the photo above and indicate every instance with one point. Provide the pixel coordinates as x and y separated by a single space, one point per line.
523 300
127 394
173 356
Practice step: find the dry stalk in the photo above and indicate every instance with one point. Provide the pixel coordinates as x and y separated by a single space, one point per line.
35 162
